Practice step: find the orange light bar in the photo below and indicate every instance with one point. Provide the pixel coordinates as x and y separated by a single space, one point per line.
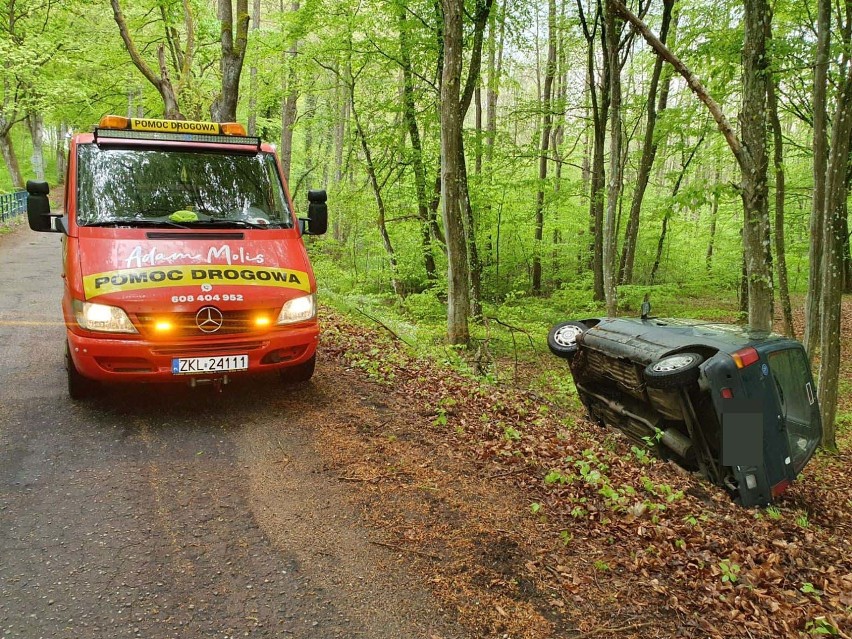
232 128
262 320
163 326
114 122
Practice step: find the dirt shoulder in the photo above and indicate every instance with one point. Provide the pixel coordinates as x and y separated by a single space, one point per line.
529 522
171 512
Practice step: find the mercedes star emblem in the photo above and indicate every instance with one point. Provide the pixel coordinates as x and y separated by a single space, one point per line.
209 319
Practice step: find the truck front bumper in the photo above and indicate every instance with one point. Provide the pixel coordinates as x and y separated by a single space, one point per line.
112 359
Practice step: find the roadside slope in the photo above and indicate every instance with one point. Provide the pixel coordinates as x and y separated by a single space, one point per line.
531 522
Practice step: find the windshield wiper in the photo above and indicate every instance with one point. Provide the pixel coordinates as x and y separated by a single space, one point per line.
237 224
137 223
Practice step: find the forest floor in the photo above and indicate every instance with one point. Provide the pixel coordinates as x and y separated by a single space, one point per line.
530 522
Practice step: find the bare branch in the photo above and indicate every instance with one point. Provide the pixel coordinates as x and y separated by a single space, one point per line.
740 153
131 46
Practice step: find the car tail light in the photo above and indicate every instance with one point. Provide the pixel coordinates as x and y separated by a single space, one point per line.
780 487
727 393
745 357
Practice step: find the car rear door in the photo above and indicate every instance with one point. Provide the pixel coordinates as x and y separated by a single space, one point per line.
796 395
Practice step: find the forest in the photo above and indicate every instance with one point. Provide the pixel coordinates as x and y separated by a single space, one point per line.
492 163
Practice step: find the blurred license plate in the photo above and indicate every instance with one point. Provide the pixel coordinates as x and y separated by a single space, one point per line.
196 365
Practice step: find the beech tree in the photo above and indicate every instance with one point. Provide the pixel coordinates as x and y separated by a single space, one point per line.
833 236
820 153
547 106
182 55
750 153
458 269
658 95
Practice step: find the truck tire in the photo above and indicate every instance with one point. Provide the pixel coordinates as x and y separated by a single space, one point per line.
562 338
678 369
299 373
80 387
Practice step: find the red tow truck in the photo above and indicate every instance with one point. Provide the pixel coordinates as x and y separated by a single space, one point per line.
182 258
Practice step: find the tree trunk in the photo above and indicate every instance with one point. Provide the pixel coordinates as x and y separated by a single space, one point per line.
61 155
377 193
307 178
847 256
778 160
649 152
10 158
477 147
252 118
224 107
458 276
547 107
480 20
675 190
714 212
340 132
288 107
474 264
495 70
820 161
750 153
659 255
409 112
610 230
832 259
161 82
600 114
755 191
744 289
36 126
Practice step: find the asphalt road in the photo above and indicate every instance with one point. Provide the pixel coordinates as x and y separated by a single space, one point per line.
171 512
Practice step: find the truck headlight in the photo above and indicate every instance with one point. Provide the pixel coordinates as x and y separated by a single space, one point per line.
299 309
102 318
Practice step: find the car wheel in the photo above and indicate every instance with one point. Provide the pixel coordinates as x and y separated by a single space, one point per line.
80 387
678 369
299 373
562 338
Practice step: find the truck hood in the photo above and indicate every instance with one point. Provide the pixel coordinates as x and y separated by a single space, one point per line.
154 267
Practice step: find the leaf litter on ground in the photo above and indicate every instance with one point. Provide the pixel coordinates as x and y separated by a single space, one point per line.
527 521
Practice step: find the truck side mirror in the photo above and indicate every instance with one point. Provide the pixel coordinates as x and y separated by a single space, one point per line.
317 212
38 206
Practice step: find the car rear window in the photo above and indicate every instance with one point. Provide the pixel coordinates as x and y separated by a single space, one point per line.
789 370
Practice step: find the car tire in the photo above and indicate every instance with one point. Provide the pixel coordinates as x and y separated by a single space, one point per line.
562 338
678 369
300 373
80 387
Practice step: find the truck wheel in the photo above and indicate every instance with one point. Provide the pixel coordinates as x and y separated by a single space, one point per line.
675 370
562 338
299 373
79 387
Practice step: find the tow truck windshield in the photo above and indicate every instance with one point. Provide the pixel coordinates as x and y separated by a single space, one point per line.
169 188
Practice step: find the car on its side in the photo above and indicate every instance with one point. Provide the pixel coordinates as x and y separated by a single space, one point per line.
736 405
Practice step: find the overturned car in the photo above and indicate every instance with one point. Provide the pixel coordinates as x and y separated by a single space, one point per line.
736 405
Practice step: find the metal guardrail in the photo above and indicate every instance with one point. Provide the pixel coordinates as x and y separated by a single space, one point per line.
12 205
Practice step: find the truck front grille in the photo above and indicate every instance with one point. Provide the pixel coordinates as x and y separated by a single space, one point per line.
183 325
